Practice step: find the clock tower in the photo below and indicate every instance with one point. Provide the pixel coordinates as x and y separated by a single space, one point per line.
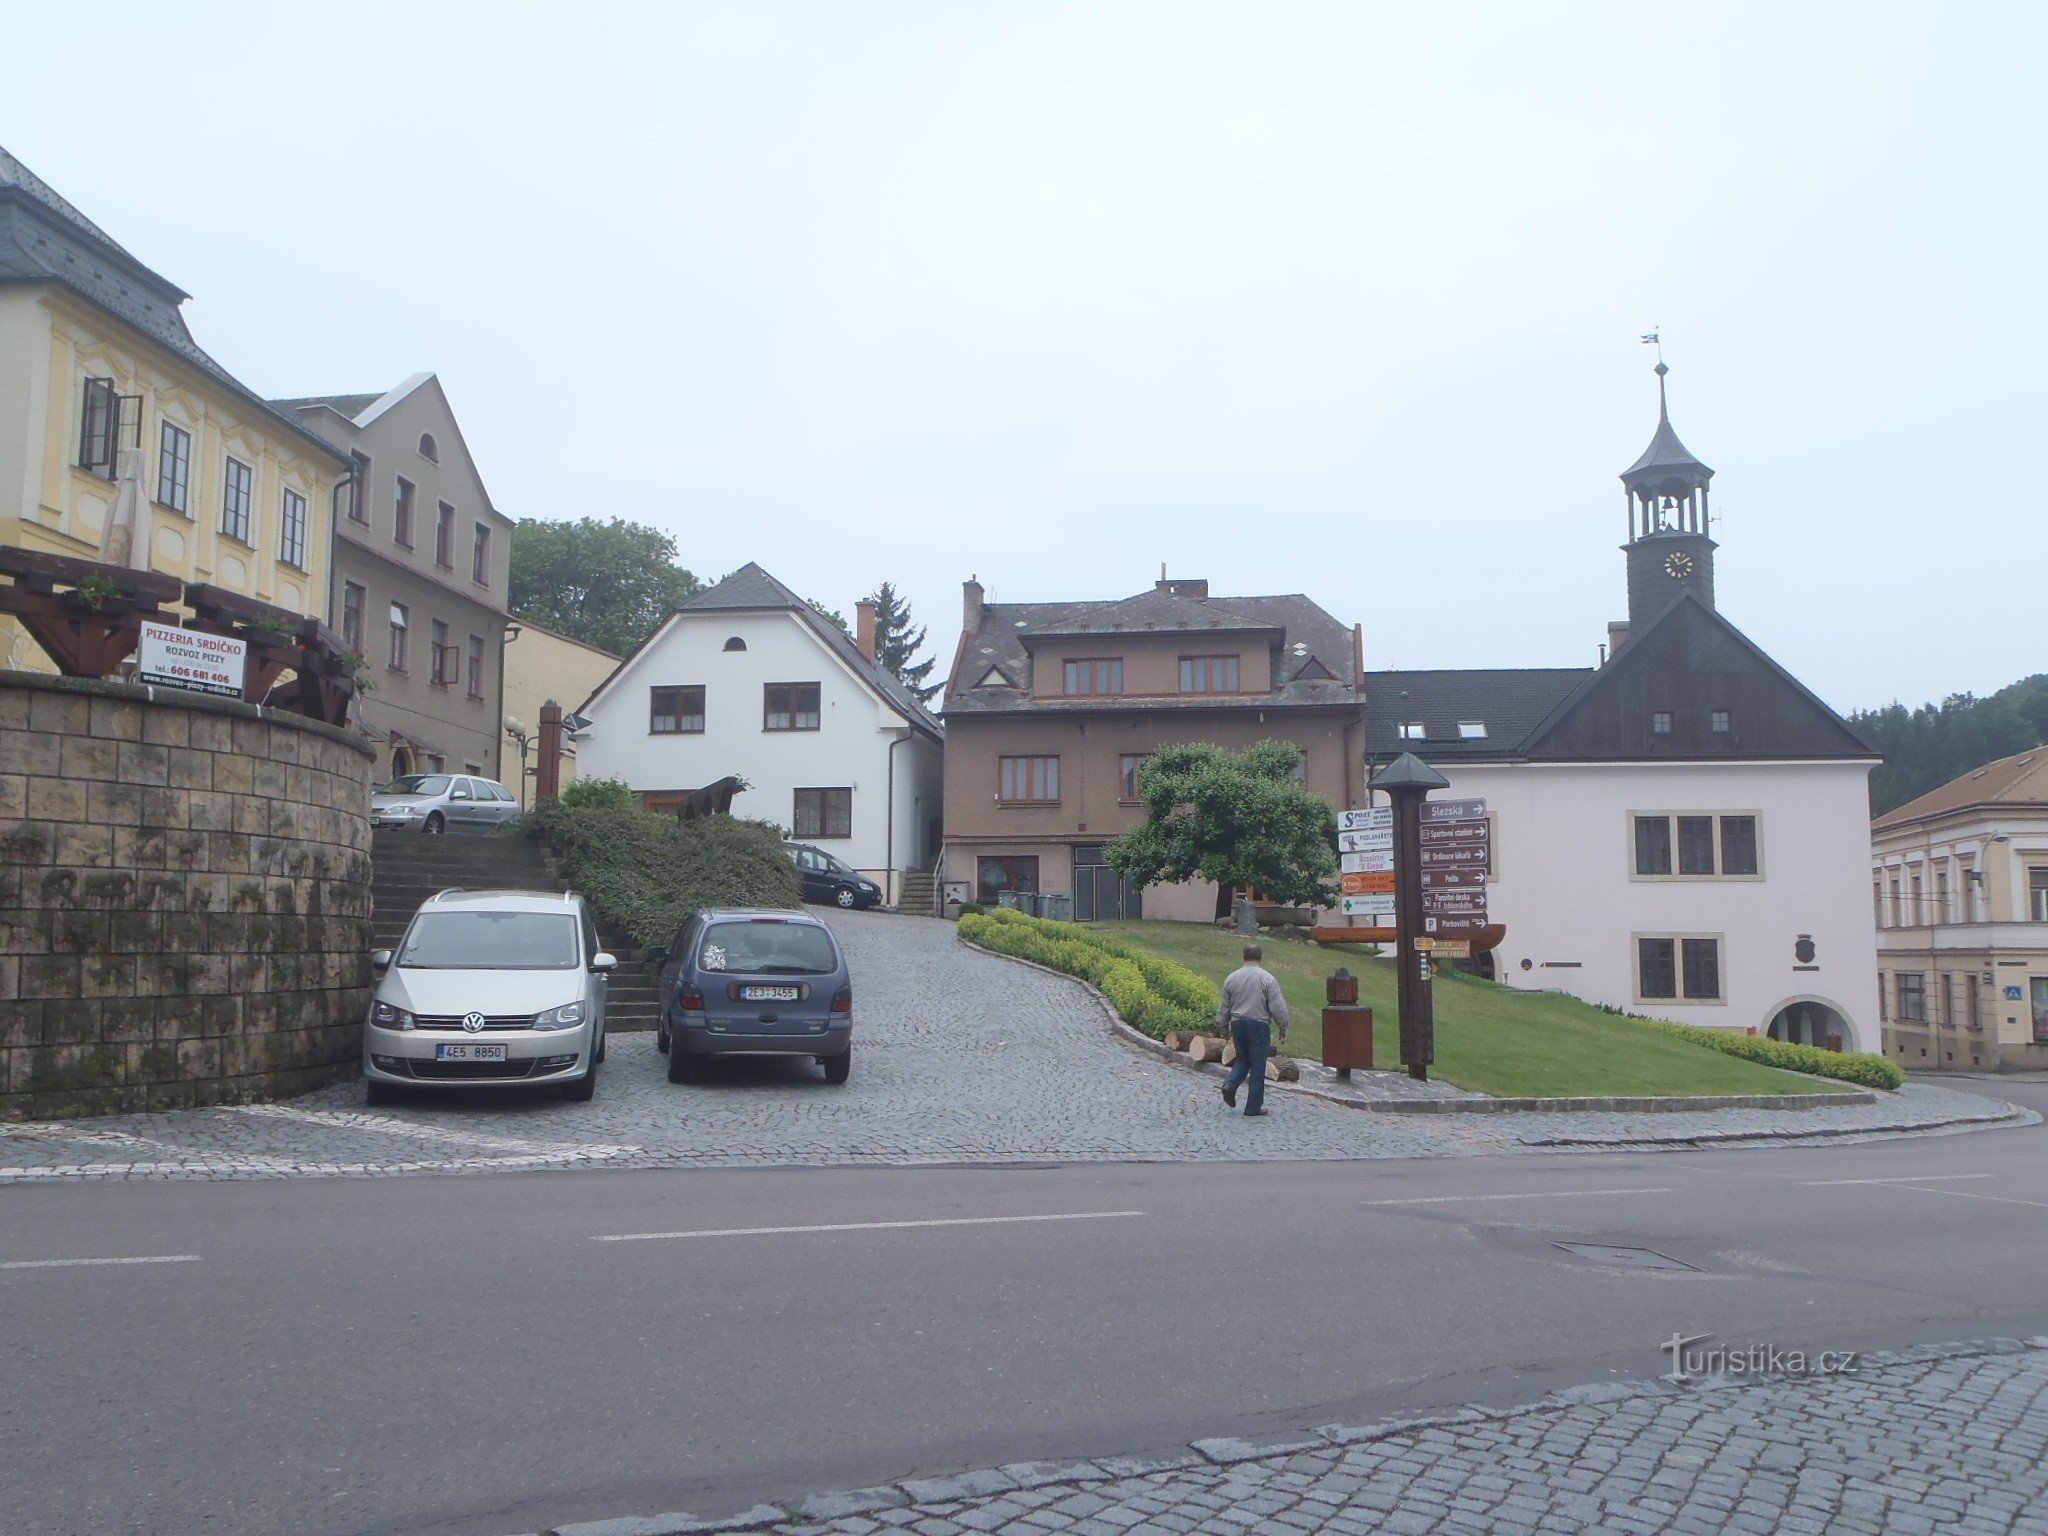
1669 550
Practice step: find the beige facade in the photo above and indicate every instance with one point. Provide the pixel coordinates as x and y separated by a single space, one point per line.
541 664
195 432
1052 706
1959 886
422 560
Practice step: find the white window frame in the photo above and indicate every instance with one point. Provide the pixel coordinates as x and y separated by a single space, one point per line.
1414 730
1671 816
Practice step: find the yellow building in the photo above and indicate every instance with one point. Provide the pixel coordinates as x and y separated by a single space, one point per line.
95 358
542 664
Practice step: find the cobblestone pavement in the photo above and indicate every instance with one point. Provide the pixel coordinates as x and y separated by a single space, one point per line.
960 1057
1948 1439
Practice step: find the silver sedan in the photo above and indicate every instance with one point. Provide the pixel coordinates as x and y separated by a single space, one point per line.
443 802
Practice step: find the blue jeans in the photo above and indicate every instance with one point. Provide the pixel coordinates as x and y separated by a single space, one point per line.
1254 1041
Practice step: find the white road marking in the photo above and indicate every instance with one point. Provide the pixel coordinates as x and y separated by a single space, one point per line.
387 1125
1971 1194
1541 1194
863 1226
1918 1178
160 1258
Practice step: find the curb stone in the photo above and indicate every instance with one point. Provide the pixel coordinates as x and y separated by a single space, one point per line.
948 1493
1476 1103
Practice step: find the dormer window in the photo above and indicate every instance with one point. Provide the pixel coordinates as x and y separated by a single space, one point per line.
1413 730
1472 730
1095 677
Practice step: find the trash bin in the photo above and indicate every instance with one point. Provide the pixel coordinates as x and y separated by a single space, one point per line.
1056 905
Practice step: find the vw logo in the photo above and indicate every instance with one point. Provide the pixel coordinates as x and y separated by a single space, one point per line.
472 1022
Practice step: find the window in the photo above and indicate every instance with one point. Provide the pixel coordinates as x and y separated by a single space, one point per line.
1413 730
291 542
1129 767
2037 894
1208 674
675 711
1011 872
1699 847
790 707
353 599
1677 968
733 643
174 467
1942 913
1095 677
442 661
1719 722
99 428
1472 730
353 489
823 813
476 666
1653 845
1919 900
400 623
238 484
444 535
429 449
1969 1000
1660 722
480 556
1912 1007
401 514
1028 779
1894 892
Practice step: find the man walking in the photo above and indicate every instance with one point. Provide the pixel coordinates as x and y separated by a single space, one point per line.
1252 1004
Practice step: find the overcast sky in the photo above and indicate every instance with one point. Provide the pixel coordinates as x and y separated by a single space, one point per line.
1341 299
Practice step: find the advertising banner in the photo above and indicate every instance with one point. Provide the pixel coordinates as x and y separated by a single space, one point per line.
171 657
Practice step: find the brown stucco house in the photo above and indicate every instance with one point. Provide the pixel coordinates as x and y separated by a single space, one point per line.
1052 707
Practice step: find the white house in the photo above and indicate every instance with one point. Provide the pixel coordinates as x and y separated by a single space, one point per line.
1682 831
746 680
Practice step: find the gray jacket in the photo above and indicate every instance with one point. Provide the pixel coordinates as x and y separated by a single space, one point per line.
1250 992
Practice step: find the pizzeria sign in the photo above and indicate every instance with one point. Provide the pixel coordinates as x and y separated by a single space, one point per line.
171 657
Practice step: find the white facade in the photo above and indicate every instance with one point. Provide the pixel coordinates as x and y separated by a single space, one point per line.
1565 885
862 743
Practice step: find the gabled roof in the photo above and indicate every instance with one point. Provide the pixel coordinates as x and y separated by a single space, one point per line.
350 406
1318 674
2019 782
362 411
750 589
44 239
1509 702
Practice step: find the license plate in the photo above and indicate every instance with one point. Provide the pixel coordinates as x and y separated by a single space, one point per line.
465 1052
769 994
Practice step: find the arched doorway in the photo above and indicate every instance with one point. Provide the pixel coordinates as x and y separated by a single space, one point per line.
401 761
1810 1021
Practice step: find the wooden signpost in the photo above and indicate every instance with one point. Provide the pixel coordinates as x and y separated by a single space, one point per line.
1406 781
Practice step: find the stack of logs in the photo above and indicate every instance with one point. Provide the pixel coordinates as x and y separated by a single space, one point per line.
1205 1048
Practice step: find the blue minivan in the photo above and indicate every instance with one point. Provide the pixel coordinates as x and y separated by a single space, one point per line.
748 982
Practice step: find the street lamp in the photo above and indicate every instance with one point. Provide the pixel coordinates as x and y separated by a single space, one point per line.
520 739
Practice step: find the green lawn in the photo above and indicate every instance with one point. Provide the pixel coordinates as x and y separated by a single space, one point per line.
1488 1038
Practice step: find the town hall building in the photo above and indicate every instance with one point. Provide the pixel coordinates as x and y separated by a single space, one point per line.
1682 831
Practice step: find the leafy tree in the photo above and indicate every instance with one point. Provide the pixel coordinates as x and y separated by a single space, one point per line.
1238 819
1926 747
607 584
896 642
830 615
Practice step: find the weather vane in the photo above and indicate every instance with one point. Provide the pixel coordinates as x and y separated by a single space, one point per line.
1652 339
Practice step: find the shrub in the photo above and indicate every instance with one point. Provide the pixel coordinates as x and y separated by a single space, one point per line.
971 909
600 795
1152 994
643 875
1858 1067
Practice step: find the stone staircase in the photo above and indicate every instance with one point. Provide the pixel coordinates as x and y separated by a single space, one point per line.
918 893
407 868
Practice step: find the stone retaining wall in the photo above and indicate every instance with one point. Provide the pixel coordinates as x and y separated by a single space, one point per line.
184 899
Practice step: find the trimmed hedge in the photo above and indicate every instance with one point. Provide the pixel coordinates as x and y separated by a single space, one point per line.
1859 1067
1152 994
643 874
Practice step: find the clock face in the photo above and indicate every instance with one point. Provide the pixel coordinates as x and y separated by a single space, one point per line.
1678 564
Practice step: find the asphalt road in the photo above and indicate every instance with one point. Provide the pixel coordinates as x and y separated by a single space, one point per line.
470 1356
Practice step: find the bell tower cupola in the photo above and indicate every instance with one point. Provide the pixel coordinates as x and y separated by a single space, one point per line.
1670 549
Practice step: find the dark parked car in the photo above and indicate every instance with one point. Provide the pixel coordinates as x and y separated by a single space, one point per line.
825 879
754 983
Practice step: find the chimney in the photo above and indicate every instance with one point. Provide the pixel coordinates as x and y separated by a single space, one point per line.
1182 586
971 595
1617 637
864 628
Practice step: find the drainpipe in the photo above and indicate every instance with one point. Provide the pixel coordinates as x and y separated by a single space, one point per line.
889 836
